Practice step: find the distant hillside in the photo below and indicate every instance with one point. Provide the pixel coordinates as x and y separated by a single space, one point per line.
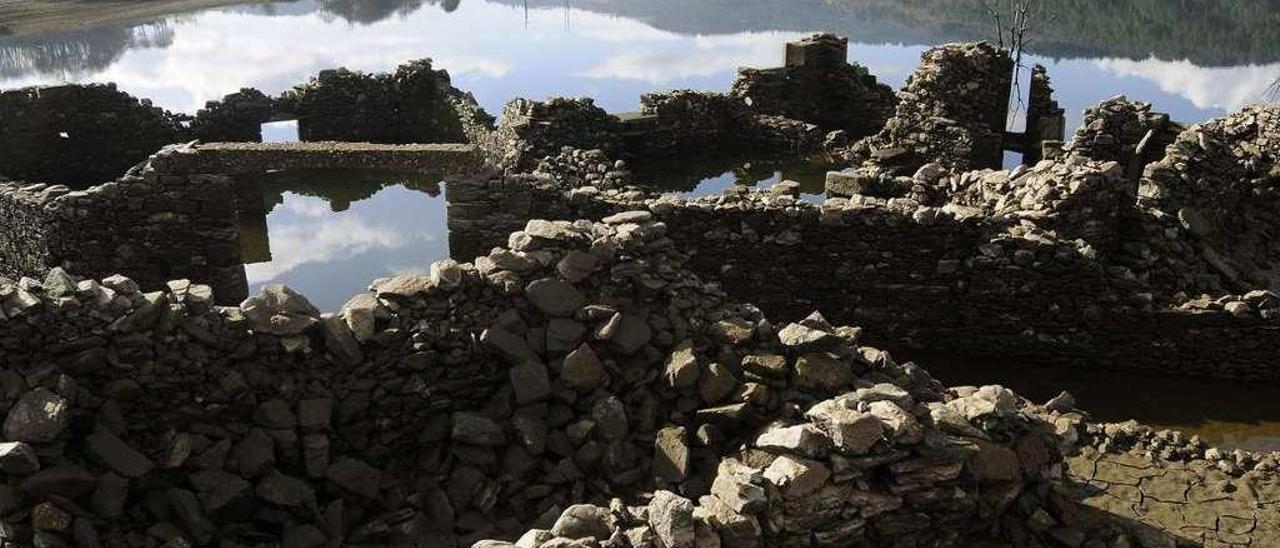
1207 32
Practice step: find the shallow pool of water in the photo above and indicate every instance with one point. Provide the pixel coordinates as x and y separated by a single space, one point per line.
710 177
1231 414
328 235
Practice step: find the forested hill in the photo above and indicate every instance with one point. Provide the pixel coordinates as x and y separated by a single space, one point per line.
1207 32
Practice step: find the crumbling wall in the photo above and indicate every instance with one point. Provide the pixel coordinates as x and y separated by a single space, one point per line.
79 135
1019 263
820 86
25 226
532 130
1209 206
1046 121
236 117
953 111
82 135
579 365
1128 132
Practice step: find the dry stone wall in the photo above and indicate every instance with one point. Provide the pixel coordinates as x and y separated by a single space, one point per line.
1212 197
820 86
581 364
86 135
953 111
783 111
79 135
154 224
1046 121
1035 262
411 105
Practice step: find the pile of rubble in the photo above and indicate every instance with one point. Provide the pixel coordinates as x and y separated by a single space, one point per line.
951 112
580 365
1211 203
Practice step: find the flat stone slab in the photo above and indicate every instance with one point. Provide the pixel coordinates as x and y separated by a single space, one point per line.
241 158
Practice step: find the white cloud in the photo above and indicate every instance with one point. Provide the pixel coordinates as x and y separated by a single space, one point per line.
663 62
320 239
1226 88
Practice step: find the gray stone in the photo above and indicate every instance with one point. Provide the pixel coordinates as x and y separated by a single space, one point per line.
552 230
118 455
582 370
805 439
303 536
632 334
530 382
513 348
278 310
39 416
71 482
578 265
824 372
534 538
476 429
283 490
255 454
716 383
610 417
671 517
445 274
766 365
275 414
404 286
881 392
682 367
564 335
356 476
734 330
58 284
554 297
804 338
906 429
341 342
739 487
851 432
18 459
796 477
361 314
628 217
584 521
671 454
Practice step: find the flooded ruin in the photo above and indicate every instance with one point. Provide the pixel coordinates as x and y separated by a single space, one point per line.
636 274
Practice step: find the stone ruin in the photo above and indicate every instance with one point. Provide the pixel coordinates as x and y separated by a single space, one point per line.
604 382
786 110
582 383
82 136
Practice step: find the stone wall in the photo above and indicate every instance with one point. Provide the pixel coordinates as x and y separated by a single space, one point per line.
1119 130
784 111
581 365
411 105
1046 121
237 117
820 86
1028 263
24 247
953 111
79 135
1213 197
86 135
155 224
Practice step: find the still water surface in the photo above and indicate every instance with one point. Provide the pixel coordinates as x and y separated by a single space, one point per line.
328 235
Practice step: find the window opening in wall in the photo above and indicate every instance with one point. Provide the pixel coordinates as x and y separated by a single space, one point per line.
285 131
